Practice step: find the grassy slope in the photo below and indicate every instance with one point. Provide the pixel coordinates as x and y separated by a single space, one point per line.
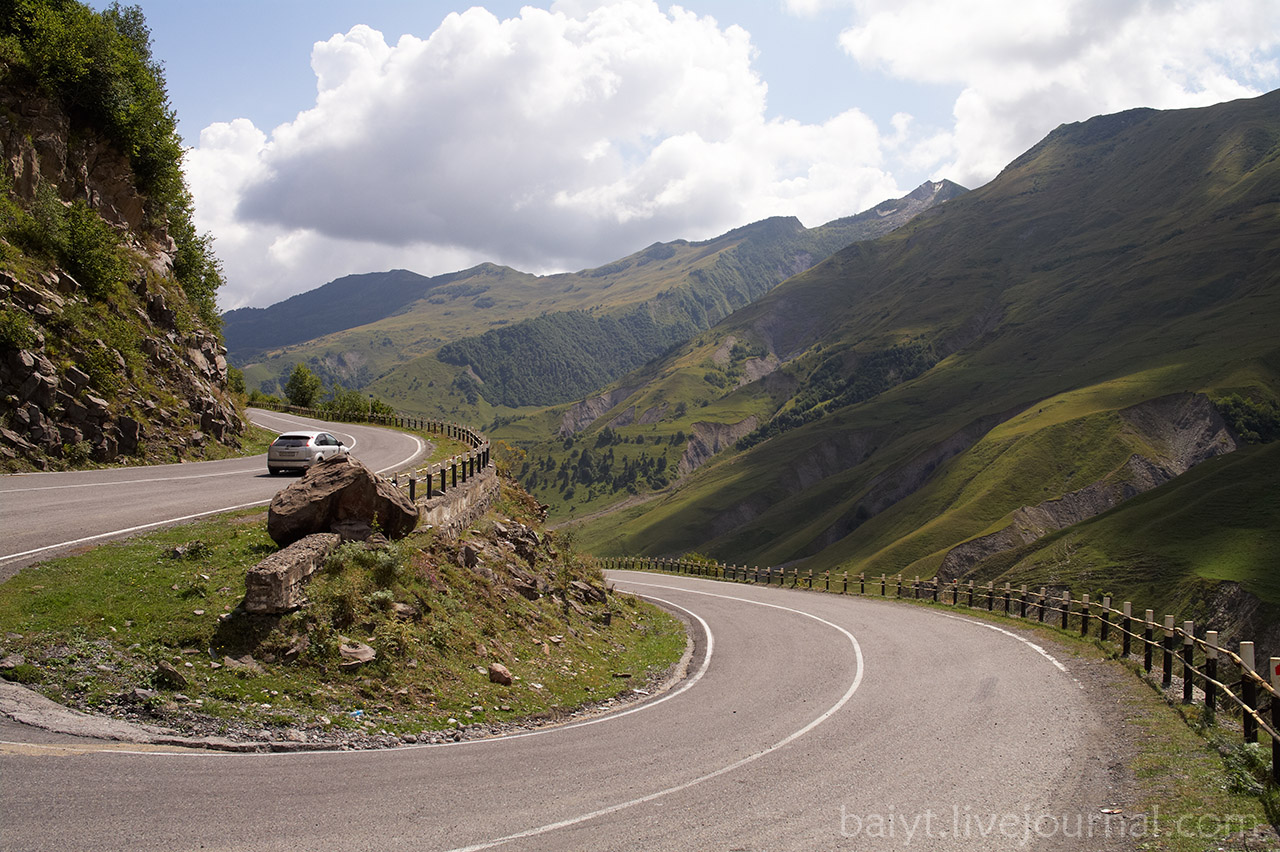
725 272
93 627
1120 259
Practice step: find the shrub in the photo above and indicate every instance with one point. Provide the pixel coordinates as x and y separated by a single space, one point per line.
1255 421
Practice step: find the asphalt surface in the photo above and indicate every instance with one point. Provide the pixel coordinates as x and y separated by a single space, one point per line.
43 515
807 722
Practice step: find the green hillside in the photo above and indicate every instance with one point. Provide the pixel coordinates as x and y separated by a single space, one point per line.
973 362
512 328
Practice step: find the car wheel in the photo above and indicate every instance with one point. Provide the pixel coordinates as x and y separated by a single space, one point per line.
274 471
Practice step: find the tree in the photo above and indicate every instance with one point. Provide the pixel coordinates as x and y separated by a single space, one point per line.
303 387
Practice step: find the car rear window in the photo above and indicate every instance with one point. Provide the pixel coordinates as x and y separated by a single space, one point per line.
292 441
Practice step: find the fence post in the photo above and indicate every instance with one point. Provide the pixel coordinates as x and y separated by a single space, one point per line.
1275 720
1166 679
1007 594
1084 614
1188 651
991 596
1249 690
1210 675
413 490
915 588
1022 603
1066 608
1041 604
1148 642
811 578
1105 628
1126 641
882 585
937 588
970 594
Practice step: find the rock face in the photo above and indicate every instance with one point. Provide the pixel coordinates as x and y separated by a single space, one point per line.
709 439
340 495
1184 429
72 391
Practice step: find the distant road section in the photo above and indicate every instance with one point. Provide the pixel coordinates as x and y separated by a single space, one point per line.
43 515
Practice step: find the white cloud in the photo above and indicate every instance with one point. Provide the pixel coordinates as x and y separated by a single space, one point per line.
569 137
1024 67
559 139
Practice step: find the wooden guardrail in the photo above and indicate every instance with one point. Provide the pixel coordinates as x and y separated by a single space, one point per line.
1225 679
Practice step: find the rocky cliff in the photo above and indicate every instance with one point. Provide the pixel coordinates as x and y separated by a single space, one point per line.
1182 430
121 367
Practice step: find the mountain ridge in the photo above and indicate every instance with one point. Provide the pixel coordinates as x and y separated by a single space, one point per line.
682 283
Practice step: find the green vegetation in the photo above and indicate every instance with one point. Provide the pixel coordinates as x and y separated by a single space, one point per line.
514 330
100 69
1256 421
94 627
303 388
1013 323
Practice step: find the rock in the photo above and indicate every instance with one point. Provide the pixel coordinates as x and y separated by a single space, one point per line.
77 378
12 662
500 674
169 677
245 663
297 648
356 654
337 490
587 592
528 591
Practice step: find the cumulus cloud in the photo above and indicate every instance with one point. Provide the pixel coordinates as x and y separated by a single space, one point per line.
1023 68
559 139
568 137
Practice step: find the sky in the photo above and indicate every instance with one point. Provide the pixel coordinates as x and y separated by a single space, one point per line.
330 137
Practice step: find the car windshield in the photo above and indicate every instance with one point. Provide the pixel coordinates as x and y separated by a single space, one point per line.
292 440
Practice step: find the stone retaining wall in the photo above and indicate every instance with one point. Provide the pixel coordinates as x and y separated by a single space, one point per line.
458 508
275 584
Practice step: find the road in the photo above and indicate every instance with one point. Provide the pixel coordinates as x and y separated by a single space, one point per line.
48 514
808 722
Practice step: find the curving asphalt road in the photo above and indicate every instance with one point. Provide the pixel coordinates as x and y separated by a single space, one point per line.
808 722
50 514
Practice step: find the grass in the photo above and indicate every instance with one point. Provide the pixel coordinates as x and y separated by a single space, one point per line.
94 627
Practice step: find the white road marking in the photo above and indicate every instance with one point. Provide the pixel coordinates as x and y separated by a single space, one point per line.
127 531
240 472
640 800
419 447
1032 645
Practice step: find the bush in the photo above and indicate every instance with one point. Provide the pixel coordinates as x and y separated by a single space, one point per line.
15 330
1255 421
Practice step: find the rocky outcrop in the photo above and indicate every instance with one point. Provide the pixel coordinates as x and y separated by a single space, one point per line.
709 439
340 495
1183 430
582 414
95 407
103 376
41 149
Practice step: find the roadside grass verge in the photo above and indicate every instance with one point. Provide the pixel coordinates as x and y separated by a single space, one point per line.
105 631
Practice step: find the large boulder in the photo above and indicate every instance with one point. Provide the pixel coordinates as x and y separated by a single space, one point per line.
340 495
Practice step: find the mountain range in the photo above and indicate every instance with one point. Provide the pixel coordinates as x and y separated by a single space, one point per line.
513 334
968 393
1067 377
